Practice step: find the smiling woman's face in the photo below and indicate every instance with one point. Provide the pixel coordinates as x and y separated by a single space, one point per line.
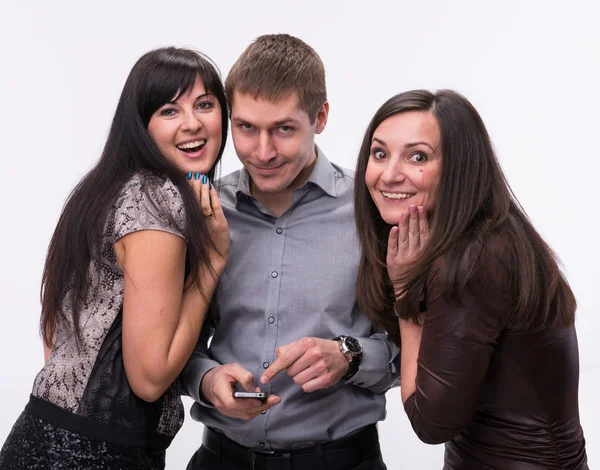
187 131
405 164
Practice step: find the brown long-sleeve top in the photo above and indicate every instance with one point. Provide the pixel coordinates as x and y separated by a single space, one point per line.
498 397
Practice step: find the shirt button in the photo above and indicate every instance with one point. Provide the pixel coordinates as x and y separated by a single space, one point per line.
265 365
274 274
263 412
279 230
271 320
261 444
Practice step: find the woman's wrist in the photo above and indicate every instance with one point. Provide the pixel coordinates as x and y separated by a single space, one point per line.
399 290
218 263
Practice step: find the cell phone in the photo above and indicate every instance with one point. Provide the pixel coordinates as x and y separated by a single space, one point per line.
257 395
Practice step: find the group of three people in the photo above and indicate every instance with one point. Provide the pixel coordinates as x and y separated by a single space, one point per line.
297 278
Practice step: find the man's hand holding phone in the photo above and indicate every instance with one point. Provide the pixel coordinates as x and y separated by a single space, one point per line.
217 388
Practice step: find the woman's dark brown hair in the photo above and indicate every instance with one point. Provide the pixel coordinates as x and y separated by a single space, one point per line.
474 203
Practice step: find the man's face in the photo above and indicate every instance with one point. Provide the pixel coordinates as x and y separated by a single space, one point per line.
275 140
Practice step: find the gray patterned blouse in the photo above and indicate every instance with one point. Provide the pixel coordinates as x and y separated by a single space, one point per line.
86 389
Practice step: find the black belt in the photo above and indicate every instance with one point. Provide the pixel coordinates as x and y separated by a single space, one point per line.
340 454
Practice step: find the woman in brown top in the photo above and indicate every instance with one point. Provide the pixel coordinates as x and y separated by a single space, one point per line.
489 352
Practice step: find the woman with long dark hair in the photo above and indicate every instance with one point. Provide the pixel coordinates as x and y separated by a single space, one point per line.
129 274
489 359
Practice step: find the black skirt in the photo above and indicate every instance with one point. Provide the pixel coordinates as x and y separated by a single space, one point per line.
36 444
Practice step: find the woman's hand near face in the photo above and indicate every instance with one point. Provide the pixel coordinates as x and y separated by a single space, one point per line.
215 220
405 244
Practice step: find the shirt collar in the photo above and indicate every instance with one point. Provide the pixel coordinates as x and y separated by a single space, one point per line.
323 175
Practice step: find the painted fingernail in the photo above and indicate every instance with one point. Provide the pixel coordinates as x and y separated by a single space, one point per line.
189 176
209 185
204 179
197 175
412 208
421 209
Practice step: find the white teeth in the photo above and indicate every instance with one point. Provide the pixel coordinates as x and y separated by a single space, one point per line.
397 195
191 145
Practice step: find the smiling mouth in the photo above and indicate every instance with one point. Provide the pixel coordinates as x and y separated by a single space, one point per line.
191 147
397 195
270 169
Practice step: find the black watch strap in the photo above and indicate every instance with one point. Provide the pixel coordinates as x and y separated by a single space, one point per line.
352 370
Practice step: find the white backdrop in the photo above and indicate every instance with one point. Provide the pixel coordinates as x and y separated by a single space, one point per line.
530 67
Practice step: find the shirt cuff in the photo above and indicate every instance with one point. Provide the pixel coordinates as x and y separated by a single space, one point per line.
194 373
378 363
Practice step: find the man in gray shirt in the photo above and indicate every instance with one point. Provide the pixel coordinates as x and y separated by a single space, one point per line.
287 319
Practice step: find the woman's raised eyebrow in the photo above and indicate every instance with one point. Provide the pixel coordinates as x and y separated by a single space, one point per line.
410 144
414 144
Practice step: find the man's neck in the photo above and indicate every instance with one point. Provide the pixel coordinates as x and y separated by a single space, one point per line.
281 201
276 203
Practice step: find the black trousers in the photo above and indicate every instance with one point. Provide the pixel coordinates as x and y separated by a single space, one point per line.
204 459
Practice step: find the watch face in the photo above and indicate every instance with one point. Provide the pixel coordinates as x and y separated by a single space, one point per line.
353 345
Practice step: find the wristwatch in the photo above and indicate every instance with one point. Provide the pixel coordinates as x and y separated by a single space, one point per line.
353 350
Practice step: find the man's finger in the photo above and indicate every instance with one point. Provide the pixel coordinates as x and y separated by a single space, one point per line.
241 375
318 383
285 360
308 374
270 402
282 349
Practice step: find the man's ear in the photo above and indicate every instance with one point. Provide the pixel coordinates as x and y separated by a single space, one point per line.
321 119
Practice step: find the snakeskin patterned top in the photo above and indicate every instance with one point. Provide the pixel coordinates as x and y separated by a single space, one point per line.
86 389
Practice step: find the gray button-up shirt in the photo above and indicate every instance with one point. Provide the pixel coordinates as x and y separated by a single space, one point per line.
287 278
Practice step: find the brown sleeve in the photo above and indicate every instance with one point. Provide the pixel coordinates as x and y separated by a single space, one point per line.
457 342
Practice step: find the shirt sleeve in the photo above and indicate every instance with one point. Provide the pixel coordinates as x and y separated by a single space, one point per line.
148 203
458 340
379 368
199 364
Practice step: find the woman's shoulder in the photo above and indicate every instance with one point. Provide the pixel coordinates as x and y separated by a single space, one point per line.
147 201
148 185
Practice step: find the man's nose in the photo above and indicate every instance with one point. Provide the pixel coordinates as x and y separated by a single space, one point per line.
265 149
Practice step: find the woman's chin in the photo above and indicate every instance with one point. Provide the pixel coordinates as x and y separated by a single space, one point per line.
202 169
391 218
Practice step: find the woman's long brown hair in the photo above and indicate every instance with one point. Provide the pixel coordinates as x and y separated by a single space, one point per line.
474 203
